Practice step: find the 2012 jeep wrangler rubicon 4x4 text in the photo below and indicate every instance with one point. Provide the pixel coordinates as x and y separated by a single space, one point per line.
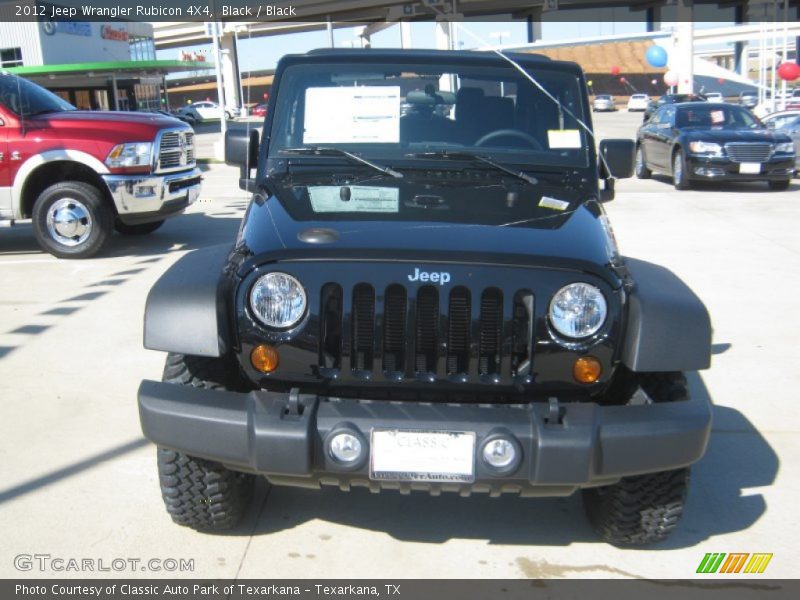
425 294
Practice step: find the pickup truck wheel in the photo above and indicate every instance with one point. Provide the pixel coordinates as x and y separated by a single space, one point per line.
643 509
140 229
71 219
198 493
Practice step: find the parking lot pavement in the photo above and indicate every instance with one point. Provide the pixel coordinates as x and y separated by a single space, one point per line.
80 481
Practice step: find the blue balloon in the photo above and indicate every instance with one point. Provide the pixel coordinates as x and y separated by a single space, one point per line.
656 56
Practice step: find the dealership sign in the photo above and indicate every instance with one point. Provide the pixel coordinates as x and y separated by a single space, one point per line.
70 27
107 32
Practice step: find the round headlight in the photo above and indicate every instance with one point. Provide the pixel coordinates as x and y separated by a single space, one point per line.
278 300
578 310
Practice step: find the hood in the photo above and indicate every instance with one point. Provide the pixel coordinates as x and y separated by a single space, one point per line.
488 221
106 116
720 135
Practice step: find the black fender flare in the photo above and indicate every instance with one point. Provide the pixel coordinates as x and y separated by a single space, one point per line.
185 311
667 326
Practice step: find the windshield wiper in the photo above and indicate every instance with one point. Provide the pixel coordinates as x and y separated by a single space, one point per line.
469 156
323 151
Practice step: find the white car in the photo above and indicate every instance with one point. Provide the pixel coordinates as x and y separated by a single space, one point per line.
714 97
638 102
206 110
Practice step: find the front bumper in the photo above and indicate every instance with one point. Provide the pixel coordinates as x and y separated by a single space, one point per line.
714 168
152 197
283 437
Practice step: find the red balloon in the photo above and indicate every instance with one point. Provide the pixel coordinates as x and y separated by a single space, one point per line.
789 71
622 80
266 95
615 70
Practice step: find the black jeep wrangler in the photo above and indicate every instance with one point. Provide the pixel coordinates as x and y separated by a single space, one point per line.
427 299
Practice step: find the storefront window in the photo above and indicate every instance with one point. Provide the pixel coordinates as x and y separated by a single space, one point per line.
11 57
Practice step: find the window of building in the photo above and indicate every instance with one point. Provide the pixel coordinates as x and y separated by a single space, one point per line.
142 48
11 57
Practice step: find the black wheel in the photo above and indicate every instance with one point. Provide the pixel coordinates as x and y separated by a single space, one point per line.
642 509
642 172
72 219
198 493
140 229
779 186
680 178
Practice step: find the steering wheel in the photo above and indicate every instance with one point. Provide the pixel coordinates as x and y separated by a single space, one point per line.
532 141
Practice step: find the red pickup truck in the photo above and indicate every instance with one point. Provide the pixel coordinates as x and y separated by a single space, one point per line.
80 175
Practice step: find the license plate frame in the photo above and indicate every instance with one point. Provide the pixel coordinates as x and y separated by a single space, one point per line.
425 456
749 168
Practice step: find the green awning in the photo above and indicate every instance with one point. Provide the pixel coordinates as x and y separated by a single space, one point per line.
120 67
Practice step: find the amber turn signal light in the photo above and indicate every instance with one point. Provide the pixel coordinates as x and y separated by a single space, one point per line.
587 369
264 358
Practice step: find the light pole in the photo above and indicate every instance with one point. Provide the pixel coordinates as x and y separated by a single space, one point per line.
500 35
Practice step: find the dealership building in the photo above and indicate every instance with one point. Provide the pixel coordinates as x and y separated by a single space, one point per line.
99 66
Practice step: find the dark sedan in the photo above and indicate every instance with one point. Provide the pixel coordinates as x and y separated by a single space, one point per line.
713 142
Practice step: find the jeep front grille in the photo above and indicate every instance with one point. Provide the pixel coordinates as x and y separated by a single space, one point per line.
740 152
176 150
427 334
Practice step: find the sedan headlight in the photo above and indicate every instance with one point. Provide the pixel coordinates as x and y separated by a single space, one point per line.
137 154
705 148
278 300
578 310
784 148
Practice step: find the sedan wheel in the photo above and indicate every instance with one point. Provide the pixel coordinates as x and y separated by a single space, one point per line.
679 176
642 172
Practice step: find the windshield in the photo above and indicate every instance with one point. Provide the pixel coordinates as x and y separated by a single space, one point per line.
27 99
391 112
718 117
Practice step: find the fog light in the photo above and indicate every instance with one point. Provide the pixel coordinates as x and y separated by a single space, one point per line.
145 191
264 358
346 448
587 369
499 453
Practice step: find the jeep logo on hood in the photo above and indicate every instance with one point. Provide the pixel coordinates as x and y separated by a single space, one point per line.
435 277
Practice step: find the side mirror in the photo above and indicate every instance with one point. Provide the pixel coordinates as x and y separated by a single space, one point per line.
241 150
617 158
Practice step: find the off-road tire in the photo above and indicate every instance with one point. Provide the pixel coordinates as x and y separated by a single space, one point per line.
639 510
198 493
779 186
642 172
139 229
643 509
90 198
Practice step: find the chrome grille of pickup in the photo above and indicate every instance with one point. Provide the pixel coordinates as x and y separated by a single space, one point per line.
426 333
176 150
740 152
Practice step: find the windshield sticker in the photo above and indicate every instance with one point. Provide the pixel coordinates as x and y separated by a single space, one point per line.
563 138
352 115
354 199
717 117
554 203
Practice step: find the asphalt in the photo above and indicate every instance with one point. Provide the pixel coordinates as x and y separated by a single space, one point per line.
79 481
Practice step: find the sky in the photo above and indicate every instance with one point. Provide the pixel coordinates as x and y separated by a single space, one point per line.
264 52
